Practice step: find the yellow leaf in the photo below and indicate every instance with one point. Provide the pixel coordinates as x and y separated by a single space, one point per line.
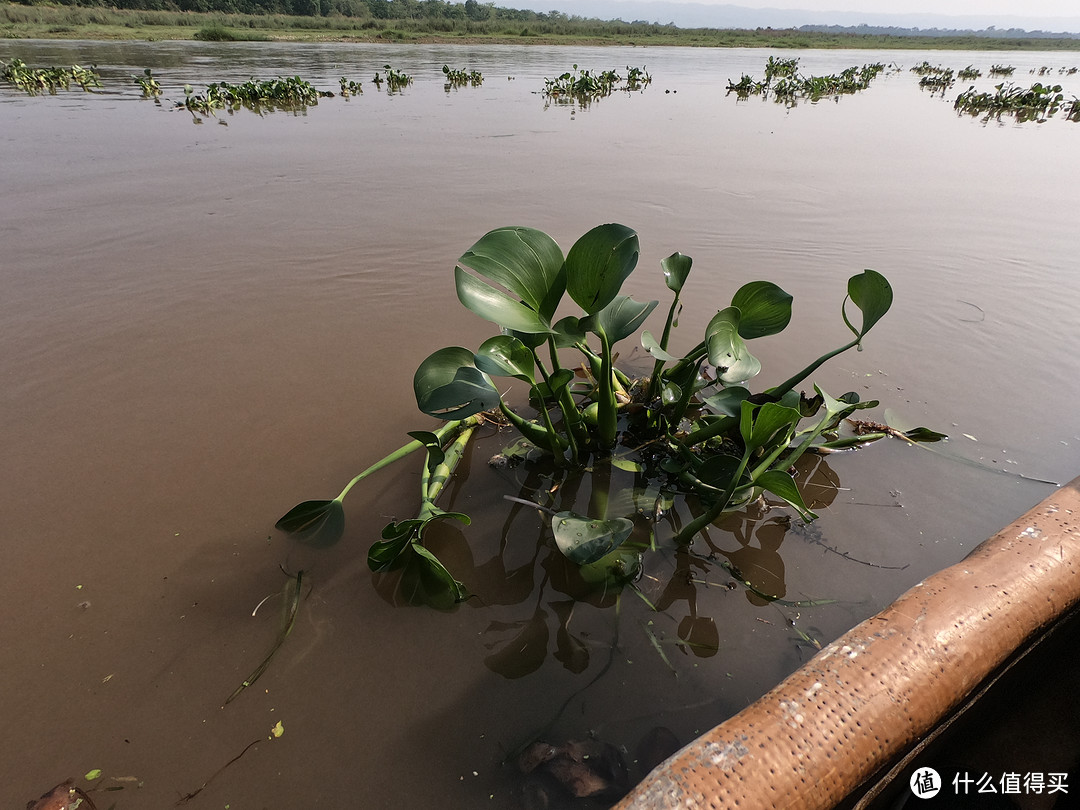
278 730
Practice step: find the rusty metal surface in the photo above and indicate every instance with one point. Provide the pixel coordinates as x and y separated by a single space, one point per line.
868 696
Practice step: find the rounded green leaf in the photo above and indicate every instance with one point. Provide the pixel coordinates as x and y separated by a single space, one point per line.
783 485
583 540
761 426
425 581
450 386
652 346
598 264
314 523
676 268
764 308
872 294
524 261
727 351
496 306
568 332
620 318
727 402
506 356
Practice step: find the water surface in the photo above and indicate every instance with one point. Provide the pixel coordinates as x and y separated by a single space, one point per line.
203 324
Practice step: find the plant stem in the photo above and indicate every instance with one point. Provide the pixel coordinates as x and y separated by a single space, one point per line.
406 449
790 383
701 521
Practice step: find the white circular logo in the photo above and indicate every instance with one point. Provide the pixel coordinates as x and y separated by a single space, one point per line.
925 783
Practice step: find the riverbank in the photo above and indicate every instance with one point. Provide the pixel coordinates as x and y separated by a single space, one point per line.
73 22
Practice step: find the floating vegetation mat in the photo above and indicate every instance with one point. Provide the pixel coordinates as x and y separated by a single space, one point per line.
1037 103
584 86
786 85
34 81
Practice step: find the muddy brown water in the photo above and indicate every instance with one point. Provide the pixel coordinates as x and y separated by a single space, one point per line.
203 324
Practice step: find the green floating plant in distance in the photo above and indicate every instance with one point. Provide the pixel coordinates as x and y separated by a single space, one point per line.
699 434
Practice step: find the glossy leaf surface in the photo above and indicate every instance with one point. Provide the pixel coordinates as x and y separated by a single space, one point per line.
727 350
526 262
494 305
584 540
506 356
598 264
620 318
676 268
872 294
450 386
314 523
764 309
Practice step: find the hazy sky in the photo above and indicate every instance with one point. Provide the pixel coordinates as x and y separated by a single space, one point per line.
1018 8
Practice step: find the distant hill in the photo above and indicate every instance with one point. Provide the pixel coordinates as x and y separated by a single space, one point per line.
699 15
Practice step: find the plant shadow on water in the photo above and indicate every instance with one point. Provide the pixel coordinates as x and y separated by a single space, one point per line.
575 656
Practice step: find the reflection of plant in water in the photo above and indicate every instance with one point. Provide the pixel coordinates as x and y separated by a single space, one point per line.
787 85
682 447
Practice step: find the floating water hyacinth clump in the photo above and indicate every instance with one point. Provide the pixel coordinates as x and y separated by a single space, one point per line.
788 86
34 81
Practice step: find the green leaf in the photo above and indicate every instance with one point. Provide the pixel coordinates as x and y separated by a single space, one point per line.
385 554
924 434
613 570
871 293
765 309
598 264
90 776
670 393
506 356
727 402
494 305
718 470
448 385
431 442
425 581
727 351
620 318
524 261
584 540
676 268
652 346
568 332
762 428
314 523
783 485
621 463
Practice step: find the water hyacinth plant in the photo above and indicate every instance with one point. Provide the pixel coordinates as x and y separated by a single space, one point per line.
456 77
691 430
1036 103
584 86
33 81
395 79
788 86
259 96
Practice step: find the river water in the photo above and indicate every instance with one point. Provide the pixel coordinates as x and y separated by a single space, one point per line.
204 323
